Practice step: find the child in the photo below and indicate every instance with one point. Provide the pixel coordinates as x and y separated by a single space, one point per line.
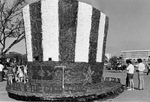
25 73
20 73
10 74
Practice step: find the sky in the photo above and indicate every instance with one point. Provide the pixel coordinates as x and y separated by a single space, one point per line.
129 25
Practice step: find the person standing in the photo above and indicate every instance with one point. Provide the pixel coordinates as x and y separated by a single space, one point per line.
141 68
1 71
10 73
148 65
130 74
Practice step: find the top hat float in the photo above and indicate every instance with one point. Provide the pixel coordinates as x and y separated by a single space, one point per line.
65 45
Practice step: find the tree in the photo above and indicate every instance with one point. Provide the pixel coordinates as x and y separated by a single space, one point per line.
113 61
17 56
11 24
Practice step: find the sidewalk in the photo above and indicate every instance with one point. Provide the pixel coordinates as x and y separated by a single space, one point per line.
130 96
3 93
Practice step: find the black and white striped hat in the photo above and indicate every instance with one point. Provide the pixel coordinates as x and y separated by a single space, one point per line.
65 30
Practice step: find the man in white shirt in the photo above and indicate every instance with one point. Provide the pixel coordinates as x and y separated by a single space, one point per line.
130 74
1 72
141 68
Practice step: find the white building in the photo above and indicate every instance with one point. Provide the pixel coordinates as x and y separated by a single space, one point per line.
135 54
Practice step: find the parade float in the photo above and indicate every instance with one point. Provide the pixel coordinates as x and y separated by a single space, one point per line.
65 45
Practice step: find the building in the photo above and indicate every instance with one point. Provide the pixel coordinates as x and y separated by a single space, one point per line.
135 54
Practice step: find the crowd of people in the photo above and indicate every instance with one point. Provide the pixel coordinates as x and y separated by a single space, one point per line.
140 67
13 71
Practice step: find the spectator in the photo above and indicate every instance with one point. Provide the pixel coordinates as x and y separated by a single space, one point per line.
21 73
148 65
141 68
1 71
130 74
10 74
